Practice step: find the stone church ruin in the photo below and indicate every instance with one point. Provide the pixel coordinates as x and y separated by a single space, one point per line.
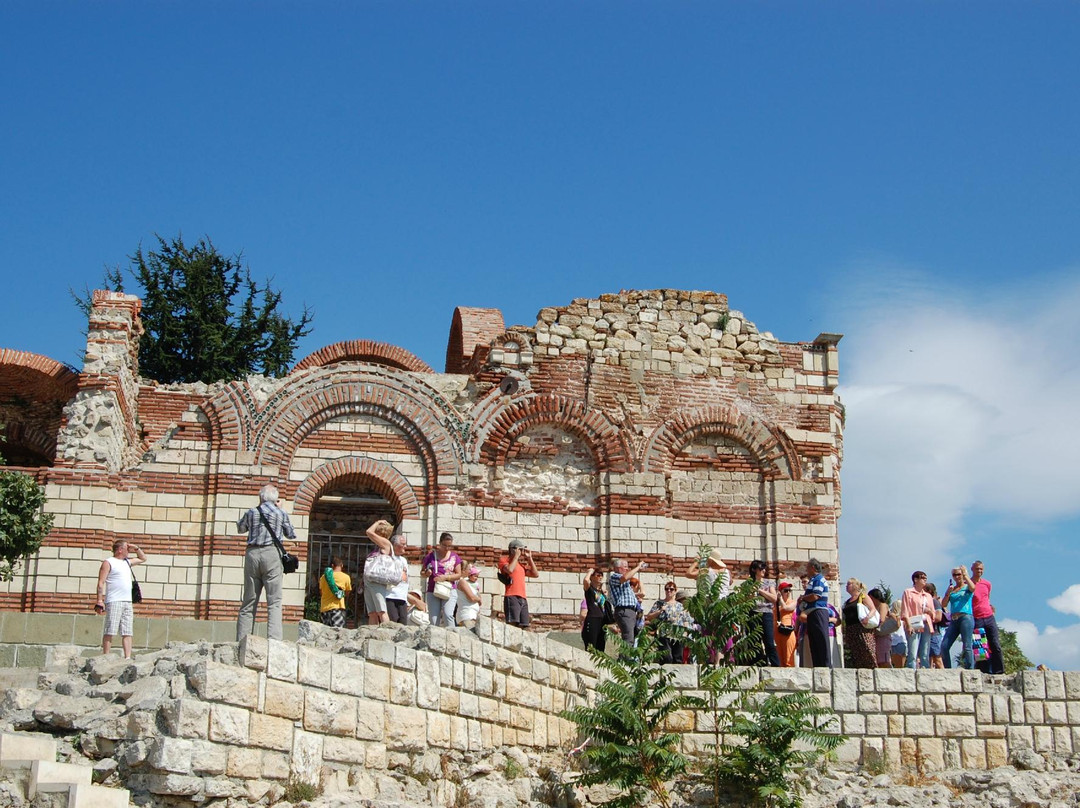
641 425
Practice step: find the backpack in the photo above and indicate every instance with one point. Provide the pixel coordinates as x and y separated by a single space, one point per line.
504 578
609 611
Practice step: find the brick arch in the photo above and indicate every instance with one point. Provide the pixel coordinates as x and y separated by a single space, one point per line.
407 402
770 448
50 379
364 350
380 476
30 440
507 424
470 328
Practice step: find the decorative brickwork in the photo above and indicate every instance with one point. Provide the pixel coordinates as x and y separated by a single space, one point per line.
643 425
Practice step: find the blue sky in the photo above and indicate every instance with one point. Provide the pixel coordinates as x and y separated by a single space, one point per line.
904 173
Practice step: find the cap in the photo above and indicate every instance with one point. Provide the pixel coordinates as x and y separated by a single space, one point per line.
517 544
785 585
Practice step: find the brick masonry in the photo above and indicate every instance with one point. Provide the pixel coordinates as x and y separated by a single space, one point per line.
641 424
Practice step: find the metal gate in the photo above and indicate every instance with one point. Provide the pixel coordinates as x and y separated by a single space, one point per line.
353 551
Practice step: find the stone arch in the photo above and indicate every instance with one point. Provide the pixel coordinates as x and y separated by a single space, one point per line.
363 350
26 445
380 476
770 448
503 426
33 392
470 328
59 379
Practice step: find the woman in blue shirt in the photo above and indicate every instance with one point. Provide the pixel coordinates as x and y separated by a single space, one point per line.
961 620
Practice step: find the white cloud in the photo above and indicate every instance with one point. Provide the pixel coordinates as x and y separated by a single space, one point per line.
1058 648
1068 602
955 407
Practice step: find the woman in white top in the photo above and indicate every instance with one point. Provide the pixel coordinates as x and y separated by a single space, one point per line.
469 590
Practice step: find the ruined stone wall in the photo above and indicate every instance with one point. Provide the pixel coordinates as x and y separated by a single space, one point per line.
208 721
640 425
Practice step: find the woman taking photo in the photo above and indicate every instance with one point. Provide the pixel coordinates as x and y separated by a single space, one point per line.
961 620
766 610
668 610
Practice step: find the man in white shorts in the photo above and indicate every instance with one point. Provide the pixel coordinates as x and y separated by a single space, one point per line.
114 595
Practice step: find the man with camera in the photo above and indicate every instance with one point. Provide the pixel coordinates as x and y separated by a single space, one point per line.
623 596
514 568
114 589
262 562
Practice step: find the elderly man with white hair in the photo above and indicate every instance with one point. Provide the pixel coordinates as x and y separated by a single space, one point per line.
262 562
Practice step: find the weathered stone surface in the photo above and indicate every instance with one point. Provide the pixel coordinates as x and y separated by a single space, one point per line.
281 660
406 728
229 724
187 718
284 699
64 712
214 681
313 667
253 652
330 713
270 732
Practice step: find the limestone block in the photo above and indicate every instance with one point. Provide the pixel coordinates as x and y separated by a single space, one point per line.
1072 685
918 725
377 682
1019 737
370 720
253 652
209 758
990 730
229 724
476 736
960 703
1055 711
306 760
275 766
971 681
330 713
313 666
214 681
171 754
1016 709
20 749
869 702
1033 684
347 675
1033 712
344 750
58 710
1044 739
91 796
973 753
911 703
938 681
984 708
469 705
177 785
896 724
1063 742
853 724
1072 711
50 776
376 757
381 651
406 728
997 753
934 703
284 700
270 732
955 726
844 690
877 724
403 686
898 680
931 754
890 703
438 731
281 660
404 658
788 679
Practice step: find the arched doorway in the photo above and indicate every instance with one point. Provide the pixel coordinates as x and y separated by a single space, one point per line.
339 518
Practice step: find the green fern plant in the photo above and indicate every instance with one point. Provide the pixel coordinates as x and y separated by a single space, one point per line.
627 743
760 756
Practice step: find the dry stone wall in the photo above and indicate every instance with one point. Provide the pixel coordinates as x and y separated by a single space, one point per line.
203 722
643 425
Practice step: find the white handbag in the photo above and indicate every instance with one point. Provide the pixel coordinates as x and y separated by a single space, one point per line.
418 617
867 616
443 590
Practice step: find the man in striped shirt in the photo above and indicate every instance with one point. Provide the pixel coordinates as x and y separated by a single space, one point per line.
262 562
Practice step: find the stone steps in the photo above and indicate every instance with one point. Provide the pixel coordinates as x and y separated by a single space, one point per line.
37 753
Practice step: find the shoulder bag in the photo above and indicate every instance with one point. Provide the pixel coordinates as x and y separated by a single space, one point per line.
136 591
289 562
381 569
868 618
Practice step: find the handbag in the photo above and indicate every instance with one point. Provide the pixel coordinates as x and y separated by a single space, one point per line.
289 562
887 627
443 590
381 569
869 618
418 617
136 592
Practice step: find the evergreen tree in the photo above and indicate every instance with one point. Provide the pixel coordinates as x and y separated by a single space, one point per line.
1012 654
204 319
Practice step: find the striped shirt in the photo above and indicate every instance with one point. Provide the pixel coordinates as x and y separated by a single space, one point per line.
253 525
622 592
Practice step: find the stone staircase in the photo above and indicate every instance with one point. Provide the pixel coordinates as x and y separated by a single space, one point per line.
30 758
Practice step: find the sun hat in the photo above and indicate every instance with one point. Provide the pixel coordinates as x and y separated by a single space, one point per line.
717 557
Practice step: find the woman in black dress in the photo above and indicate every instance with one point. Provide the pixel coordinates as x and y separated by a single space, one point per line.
859 645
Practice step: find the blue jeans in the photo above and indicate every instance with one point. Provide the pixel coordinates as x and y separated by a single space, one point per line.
441 612
961 626
918 647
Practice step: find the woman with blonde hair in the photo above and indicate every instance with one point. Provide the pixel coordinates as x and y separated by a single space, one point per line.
859 645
